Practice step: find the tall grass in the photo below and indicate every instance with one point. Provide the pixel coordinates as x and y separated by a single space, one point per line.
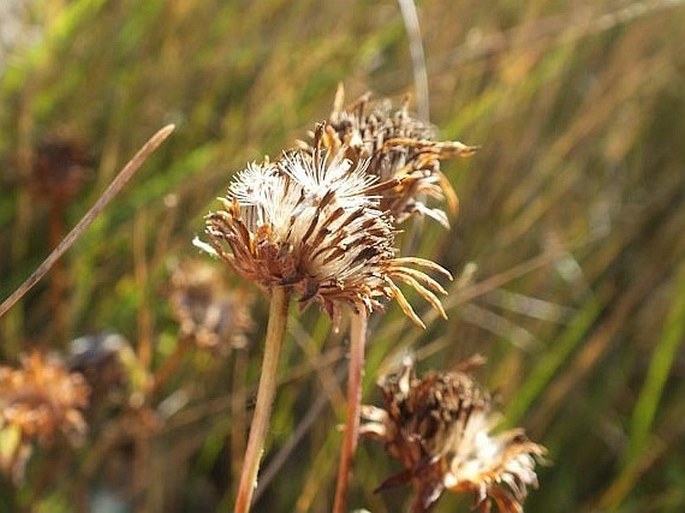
573 212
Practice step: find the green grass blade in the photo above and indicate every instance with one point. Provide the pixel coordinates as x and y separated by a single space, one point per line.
659 368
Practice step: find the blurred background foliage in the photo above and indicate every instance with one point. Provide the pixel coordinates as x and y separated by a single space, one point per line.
568 246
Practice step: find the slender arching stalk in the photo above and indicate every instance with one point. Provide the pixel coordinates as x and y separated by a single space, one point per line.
112 190
354 397
278 314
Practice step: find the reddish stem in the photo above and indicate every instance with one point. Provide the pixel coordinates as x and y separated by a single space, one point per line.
354 399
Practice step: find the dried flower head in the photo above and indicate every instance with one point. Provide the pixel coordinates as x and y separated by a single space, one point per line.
311 221
439 427
209 314
398 147
37 402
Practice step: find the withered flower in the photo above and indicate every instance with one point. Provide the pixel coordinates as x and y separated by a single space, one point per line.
439 428
210 314
38 401
398 147
312 221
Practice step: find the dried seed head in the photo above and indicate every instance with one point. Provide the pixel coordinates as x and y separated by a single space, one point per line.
210 314
42 397
439 427
37 402
311 221
399 148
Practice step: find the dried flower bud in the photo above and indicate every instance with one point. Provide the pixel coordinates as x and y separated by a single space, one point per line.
439 428
398 147
311 221
37 402
209 314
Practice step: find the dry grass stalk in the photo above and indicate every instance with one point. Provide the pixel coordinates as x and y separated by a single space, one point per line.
128 171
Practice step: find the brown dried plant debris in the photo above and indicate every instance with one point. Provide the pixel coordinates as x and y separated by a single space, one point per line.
99 358
313 221
39 401
60 169
210 314
397 146
439 428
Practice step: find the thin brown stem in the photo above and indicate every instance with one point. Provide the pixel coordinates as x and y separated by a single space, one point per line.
117 184
170 365
275 330
58 283
354 399
141 274
238 411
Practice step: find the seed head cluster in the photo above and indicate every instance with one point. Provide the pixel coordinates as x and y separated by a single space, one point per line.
439 428
312 221
321 220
